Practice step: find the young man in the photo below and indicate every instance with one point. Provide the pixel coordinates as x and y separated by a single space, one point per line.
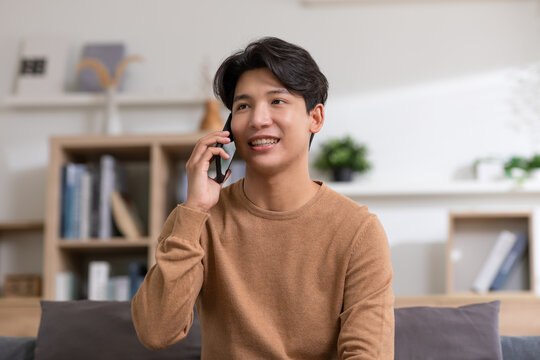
278 265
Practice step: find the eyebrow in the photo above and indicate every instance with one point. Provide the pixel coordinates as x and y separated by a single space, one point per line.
271 92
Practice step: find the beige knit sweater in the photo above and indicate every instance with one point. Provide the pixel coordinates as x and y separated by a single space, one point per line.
312 283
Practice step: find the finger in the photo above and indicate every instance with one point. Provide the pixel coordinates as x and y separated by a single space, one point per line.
214 137
209 155
211 138
206 142
209 141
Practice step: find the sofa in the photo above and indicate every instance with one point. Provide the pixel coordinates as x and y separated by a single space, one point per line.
103 330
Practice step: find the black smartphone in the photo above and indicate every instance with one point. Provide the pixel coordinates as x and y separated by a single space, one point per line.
218 165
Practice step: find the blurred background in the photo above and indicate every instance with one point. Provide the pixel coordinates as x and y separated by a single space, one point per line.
428 86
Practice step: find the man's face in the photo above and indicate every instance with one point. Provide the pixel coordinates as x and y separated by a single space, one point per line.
270 125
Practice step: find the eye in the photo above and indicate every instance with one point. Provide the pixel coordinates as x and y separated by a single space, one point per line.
278 101
241 107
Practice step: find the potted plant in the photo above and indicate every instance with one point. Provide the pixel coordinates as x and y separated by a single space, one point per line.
518 168
343 156
534 167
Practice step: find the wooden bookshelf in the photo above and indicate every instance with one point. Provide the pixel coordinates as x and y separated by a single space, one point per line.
159 155
93 245
19 316
472 236
28 225
21 231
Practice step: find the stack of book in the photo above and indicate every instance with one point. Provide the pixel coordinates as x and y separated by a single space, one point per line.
507 252
92 194
100 285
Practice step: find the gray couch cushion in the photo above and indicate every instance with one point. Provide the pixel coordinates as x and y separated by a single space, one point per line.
462 333
520 347
101 330
17 348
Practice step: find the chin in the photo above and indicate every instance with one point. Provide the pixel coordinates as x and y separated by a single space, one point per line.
267 168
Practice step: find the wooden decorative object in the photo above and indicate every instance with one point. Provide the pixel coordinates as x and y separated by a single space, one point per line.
109 82
105 79
22 286
212 119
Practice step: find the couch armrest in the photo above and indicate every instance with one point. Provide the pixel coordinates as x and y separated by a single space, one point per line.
17 348
520 347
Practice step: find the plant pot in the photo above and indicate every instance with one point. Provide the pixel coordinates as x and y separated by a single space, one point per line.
343 174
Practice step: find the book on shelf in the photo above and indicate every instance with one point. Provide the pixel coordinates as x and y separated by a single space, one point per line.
511 260
103 286
89 207
118 288
136 273
94 199
65 288
125 216
98 276
72 175
503 245
107 181
85 206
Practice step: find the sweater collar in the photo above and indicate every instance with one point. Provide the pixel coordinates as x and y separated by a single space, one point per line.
239 194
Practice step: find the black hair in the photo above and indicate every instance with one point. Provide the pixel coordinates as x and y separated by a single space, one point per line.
291 64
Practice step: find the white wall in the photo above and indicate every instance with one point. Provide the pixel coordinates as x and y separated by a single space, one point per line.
425 84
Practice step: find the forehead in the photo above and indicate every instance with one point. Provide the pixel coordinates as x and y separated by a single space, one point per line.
251 80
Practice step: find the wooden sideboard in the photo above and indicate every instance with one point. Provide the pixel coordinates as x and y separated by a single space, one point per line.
518 314
19 316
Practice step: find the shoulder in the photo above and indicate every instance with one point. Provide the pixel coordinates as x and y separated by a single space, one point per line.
351 219
340 205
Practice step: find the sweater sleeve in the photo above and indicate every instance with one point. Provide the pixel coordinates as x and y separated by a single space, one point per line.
162 308
367 319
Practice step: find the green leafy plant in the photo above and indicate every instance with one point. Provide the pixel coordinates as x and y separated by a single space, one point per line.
343 153
521 168
516 162
534 162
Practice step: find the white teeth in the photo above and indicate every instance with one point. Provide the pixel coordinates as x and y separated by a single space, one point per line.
260 142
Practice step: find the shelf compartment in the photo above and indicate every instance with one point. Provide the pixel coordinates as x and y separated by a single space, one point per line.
472 235
97 244
30 225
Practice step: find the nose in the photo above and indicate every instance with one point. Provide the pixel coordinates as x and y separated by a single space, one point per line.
260 117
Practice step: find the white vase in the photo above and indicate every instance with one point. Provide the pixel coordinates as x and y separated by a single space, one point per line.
113 126
535 175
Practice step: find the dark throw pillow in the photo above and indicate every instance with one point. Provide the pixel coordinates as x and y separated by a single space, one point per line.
462 333
101 330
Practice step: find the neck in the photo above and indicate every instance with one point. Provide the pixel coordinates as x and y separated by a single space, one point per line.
284 191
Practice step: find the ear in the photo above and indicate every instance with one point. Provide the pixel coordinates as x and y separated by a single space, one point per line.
316 116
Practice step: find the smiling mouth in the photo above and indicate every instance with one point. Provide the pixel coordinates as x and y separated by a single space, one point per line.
263 142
